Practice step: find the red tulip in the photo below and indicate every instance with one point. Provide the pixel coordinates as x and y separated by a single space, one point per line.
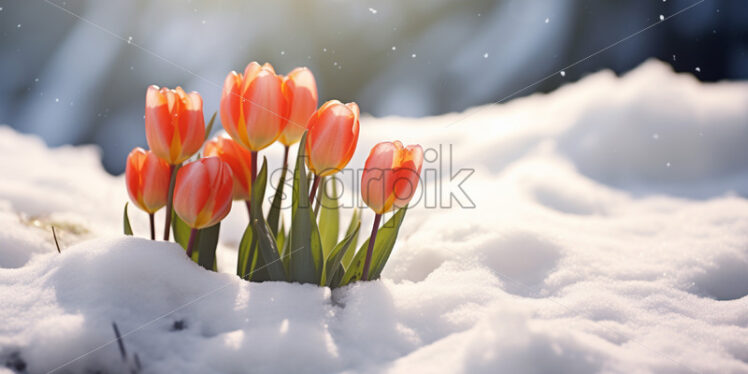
147 178
391 175
202 194
332 137
300 90
254 110
238 158
174 123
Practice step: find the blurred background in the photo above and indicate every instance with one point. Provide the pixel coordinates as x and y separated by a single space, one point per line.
76 72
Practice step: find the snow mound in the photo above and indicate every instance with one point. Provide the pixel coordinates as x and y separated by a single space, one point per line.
604 230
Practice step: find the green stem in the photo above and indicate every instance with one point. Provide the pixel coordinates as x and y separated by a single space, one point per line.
153 227
254 176
191 242
370 248
318 199
169 200
315 184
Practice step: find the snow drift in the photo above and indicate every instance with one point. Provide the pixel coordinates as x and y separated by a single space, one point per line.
609 233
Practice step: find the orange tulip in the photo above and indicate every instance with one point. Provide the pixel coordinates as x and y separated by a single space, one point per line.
147 178
300 90
391 175
174 123
332 137
238 158
202 194
254 110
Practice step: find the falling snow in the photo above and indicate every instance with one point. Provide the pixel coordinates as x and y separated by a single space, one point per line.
698 69
129 40
547 20
563 73
394 48
655 136
662 18
283 53
485 55
373 11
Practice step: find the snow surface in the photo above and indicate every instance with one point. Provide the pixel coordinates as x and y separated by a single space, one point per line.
609 234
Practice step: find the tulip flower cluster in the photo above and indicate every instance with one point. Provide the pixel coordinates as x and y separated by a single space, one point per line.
258 108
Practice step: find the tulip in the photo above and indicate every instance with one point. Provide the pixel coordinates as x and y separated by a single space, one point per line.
331 139
240 161
174 129
254 110
300 90
389 181
147 178
174 123
202 194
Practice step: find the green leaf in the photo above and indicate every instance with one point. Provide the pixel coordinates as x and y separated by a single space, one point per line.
257 270
385 241
355 222
329 218
244 249
126 221
304 252
275 207
333 264
280 237
210 125
181 231
271 266
207 242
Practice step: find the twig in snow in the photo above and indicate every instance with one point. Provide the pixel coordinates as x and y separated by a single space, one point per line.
54 235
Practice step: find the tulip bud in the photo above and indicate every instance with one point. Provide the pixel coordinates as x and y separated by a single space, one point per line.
253 109
332 137
147 178
238 158
174 123
202 193
300 90
391 175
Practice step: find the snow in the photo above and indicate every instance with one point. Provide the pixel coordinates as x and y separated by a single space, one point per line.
583 253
